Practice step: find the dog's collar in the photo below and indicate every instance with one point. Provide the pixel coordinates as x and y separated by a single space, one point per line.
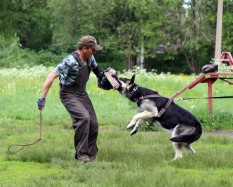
132 92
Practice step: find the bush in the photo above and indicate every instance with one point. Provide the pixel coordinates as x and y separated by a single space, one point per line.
11 55
48 58
112 59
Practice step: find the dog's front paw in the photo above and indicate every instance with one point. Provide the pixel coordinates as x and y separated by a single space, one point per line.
130 125
134 131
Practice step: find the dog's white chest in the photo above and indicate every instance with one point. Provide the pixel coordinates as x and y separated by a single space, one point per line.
147 105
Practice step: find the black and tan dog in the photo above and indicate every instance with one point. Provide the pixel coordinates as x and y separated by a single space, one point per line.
162 111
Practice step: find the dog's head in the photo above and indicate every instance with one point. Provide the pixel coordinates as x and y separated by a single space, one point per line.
127 87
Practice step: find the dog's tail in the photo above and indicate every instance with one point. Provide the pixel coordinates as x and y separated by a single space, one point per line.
189 138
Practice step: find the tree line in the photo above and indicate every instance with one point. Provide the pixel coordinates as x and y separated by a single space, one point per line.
165 35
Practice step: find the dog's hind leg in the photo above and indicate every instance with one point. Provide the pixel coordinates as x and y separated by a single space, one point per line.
138 124
178 150
177 145
189 149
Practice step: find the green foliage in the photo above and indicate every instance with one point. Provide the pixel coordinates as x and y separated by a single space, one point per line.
48 58
30 20
227 39
110 59
11 55
7 21
127 30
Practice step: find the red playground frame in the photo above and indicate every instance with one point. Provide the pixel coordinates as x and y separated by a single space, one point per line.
210 78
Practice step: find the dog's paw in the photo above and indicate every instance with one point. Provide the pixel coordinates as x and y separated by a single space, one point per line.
134 131
177 158
130 125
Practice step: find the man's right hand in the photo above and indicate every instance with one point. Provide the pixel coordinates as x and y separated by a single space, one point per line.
41 103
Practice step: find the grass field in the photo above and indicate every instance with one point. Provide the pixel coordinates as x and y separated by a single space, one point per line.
123 160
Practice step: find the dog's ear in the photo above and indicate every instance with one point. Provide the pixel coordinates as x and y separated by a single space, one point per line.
132 79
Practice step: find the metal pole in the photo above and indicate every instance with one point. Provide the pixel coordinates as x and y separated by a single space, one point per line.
210 95
218 41
142 47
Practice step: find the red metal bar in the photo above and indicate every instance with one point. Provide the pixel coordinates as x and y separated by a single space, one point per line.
190 85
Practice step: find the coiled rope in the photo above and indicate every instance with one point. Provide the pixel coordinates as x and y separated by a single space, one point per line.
29 144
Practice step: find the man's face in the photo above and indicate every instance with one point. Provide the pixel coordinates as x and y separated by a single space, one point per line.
89 52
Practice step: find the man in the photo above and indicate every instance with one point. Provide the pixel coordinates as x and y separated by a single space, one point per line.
73 72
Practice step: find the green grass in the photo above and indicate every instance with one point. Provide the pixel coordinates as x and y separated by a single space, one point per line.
123 160
141 160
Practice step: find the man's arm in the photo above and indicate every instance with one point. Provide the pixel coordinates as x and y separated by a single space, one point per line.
98 72
48 83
